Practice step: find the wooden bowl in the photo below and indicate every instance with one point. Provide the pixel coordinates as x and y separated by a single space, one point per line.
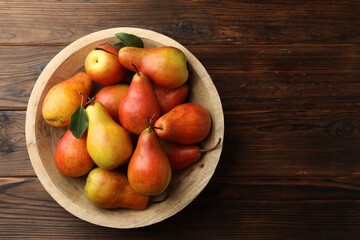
41 139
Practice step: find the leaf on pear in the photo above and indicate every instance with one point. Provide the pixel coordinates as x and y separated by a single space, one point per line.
78 122
119 45
130 40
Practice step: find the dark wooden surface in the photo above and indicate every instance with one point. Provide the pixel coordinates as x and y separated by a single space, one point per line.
288 74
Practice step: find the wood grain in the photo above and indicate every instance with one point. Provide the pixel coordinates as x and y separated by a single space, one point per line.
13 152
200 22
252 77
19 74
268 143
261 209
288 76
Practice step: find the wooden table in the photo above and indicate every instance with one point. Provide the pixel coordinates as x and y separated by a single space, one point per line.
288 74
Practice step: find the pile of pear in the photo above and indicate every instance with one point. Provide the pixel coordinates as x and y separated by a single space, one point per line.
139 132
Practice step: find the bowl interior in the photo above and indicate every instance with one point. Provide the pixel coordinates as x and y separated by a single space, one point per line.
68 192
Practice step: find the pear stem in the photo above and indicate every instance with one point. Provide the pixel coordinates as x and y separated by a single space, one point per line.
136 70
212 148
90 100
149 121
103 49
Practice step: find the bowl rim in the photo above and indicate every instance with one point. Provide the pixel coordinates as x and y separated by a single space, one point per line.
32 109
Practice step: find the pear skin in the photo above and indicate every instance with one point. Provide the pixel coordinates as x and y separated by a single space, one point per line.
149 170
111 189
180 155
111 97
71 156
166 66
64 98
103 67
187 123
108 144
170 98
140 103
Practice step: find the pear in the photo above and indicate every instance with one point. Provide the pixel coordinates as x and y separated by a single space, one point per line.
181 155
187 123
108 144
71 156
139 103
103 67
170 98
111 97
64 98
111 189
149 170
166 66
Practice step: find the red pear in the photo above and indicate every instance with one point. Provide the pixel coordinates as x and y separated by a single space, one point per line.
181 156
187 123
71 156
140 103
169 98
149 170
111 97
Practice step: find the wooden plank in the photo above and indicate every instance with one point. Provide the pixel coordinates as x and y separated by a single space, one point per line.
195 22
257 143
281 102
13 152
252 209
274 77
19 74
291 143
251 77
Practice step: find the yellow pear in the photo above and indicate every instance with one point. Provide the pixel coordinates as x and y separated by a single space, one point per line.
111 189
108 143
166 66
64 98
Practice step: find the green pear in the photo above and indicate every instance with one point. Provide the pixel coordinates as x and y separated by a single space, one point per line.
64 98
166 66
111 189
149 170
108 144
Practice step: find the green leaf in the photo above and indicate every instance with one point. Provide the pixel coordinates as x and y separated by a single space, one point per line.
78 122
130 39
119 45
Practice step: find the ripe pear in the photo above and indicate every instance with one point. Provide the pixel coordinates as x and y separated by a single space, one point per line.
140 103
108 144
187 123
111 189
181 155
64 98
111 97
166 66
149 170
103 67
169 98
71 156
